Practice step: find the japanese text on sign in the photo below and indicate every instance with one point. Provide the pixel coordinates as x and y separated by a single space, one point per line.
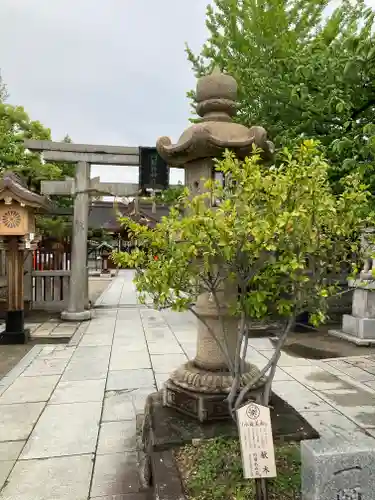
255 431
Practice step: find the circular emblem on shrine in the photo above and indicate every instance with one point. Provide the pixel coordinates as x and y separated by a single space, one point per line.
11 219
252 411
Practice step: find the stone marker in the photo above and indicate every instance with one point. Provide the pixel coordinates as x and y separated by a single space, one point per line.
337 469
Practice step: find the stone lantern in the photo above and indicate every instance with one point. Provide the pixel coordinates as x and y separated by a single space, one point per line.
17 234
199 387
105 253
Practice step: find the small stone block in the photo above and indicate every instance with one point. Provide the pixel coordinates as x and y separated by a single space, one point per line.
339 470
350 324
363 328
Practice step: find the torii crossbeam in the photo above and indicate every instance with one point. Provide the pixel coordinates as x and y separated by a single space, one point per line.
80 188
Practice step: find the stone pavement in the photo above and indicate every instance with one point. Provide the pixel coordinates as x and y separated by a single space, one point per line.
56 330
67 412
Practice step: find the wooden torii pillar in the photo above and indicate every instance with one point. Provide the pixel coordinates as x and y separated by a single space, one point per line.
80 188
17 231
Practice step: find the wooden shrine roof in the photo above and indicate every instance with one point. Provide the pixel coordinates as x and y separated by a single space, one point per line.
104 214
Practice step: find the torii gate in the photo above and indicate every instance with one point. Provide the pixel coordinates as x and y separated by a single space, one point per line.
80 188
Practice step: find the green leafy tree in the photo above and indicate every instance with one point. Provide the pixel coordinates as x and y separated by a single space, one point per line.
15 127
277 235
302 73
170 195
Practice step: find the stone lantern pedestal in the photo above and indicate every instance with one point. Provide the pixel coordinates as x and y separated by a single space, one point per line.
199 388
359 327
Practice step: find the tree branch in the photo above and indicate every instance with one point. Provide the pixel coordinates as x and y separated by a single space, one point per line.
270 363
237 364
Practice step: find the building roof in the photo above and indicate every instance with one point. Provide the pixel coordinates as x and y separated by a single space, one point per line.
104 214
11 186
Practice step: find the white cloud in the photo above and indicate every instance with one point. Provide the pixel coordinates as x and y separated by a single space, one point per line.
104 71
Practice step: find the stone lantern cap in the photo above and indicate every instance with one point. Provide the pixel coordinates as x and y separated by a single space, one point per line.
216 96
12 188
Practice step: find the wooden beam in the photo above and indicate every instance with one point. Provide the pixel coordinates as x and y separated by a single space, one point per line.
33 145
93 158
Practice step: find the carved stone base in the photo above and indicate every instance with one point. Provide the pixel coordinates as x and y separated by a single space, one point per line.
191 377
77 316
202 406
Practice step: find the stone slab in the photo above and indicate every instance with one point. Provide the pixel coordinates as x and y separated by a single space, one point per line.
81 330
332 424
66 429
59 352
40 367
116 437
88 363
132 343
122 359
281 375
30 390
162 363
357 373
352 338
10 450
164 348
115 474
130 379
17 421
364 363
171 429
338 469
139 398
314 377
97 339
54 478
79 391
300 397
285 359
5 468
117 406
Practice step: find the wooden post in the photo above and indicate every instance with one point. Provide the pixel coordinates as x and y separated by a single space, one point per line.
15 332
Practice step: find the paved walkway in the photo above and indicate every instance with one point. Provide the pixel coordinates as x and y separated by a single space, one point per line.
67 413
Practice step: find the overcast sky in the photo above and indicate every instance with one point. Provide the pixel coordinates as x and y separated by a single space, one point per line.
102 71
